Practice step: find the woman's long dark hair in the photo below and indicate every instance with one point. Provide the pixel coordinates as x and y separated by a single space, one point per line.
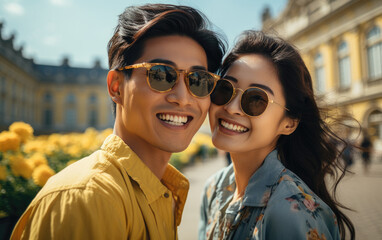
311 150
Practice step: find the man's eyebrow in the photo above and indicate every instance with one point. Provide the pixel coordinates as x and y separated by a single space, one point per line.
197 67
252 84
160 60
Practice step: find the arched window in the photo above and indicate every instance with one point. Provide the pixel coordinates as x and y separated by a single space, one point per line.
344 65
374 53
319 73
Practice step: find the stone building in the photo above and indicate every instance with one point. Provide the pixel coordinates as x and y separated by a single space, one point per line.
51 98
341 43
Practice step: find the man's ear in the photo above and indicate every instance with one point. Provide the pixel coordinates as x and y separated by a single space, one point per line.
114 84
289 125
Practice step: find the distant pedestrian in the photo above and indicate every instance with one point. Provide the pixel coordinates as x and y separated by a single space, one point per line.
366 146
348 154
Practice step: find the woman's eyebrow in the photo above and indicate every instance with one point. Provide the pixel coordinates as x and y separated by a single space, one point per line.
262 86
252 84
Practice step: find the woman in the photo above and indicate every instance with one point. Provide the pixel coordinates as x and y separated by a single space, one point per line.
264 113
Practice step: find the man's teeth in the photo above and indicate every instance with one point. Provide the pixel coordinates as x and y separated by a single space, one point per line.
173 119
233 127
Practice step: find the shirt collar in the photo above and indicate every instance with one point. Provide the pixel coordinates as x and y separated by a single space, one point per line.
151 186
261 182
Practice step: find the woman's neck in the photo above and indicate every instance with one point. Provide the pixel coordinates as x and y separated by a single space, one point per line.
245 165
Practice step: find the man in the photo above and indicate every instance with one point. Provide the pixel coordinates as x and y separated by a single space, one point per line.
160 56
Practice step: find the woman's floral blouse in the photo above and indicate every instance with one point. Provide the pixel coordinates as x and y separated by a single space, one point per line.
276 205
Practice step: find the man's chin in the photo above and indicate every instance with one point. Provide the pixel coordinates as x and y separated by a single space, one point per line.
174 148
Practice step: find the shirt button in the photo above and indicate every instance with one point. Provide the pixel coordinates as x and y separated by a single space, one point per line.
166 195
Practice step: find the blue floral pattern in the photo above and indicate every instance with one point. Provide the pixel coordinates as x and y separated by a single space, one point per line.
277 204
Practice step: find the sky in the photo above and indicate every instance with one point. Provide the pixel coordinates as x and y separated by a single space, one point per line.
50 30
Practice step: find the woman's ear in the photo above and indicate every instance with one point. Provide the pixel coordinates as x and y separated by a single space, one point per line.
289 125
114 83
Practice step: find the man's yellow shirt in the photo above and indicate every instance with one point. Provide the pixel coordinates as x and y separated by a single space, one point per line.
110 194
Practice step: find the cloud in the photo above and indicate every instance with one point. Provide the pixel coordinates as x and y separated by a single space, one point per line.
50 40
60 2
14 8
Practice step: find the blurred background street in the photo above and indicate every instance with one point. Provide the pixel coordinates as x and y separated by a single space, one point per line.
359 191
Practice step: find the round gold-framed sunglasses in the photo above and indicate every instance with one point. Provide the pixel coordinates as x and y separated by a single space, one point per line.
253 101
163 77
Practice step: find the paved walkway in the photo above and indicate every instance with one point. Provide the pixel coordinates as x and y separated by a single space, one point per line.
359 191
197 175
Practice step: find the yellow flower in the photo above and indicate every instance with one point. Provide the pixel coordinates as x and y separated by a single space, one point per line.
24 130
105 133
41 174
313 235
74 150
21 167
3 172
37 159
9 141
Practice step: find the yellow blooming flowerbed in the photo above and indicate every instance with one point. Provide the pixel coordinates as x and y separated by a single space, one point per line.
28 161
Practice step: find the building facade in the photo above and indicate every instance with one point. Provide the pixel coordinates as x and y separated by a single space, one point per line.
51 98
341 43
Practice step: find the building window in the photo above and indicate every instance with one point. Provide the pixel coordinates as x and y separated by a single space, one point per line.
48 118
70 113
48 98
344 66
375 123
2 85
47 110
71 116
319 73
93 99
70 99
374 53
93 119
93 113
2 108
14 95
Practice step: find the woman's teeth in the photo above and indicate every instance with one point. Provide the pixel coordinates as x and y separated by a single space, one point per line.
173 119
233 127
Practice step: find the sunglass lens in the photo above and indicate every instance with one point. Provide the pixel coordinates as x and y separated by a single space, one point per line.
254 101
161 77
201 83
222 92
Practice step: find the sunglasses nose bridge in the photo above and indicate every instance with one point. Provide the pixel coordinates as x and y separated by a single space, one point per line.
235 93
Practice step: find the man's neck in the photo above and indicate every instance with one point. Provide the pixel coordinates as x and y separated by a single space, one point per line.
155 159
